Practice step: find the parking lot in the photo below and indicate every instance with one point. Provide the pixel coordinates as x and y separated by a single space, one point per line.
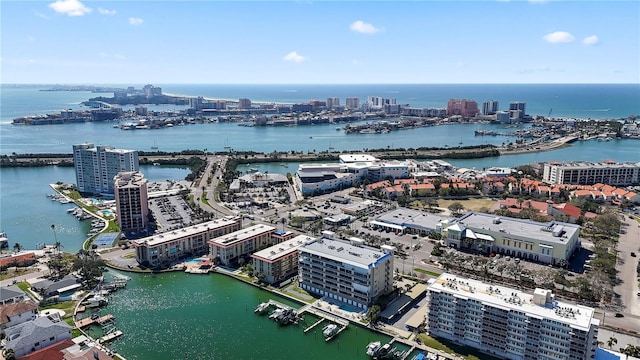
171 212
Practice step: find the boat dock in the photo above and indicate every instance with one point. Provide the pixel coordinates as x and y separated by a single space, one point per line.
338 333
88 320
313 325
110 336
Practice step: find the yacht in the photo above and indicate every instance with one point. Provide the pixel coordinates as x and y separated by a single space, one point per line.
96 301
373 347
262 308
330 330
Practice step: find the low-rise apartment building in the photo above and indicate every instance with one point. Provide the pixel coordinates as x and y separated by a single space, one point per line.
228 249
161 250
351 273
278 262
508 323
550 243
589 173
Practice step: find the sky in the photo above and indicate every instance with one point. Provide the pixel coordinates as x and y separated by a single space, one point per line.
319 42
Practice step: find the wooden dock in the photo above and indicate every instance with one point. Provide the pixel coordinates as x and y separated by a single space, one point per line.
88 320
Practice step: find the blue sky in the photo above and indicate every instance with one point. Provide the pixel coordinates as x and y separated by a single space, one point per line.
299 42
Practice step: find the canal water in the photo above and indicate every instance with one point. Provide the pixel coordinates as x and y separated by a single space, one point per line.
186 316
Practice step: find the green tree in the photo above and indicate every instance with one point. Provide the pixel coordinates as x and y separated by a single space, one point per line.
456 207
90 267
17 247
612 341
372 314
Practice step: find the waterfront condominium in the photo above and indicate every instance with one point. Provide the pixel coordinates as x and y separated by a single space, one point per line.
230 248
97 166
280 261
132 206
509 323
549 243
348 272
607 172
160 250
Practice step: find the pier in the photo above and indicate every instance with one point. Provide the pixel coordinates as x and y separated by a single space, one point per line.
88 320
110 336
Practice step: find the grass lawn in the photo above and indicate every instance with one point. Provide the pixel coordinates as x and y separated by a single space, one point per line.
451 348
471 204
432 273
24 286
67 306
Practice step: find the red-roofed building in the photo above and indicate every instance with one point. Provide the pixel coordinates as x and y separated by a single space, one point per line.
51 352
24 259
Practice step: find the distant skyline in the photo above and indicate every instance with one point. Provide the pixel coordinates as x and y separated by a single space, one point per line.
323 42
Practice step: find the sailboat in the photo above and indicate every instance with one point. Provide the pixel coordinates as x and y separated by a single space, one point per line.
226 144
154 147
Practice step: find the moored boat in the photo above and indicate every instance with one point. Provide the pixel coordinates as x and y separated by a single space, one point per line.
330 330
262 308
373 347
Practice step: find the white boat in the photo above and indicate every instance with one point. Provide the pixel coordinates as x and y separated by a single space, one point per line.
276 313
373 347
330 330
262 308
96 301
4 240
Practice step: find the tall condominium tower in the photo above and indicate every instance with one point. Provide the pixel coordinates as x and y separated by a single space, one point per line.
96 166
131 201
490 107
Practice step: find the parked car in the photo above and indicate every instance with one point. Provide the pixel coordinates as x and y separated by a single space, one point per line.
619 315
633 254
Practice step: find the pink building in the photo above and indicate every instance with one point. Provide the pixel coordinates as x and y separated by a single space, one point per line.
464 107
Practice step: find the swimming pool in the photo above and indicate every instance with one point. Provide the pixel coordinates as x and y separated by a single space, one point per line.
107 212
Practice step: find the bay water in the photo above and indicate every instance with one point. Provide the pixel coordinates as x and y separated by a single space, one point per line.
179 316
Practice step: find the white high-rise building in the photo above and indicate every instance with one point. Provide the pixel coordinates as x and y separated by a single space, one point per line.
353 103
587 173
333 102
345 271
97 166
509 323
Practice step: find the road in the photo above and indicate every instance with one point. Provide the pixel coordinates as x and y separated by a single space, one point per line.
627 289
209 189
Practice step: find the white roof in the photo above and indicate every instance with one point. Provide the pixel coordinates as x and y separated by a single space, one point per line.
185 232
349 158
576 316
283 249
241 235
359 256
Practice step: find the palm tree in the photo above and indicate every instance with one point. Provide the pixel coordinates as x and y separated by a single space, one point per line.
17 247
284 222
612 341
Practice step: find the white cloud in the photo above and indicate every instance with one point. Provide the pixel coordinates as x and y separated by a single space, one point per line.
356 62
294 57
70 7
558 37
591 40
135 21
106 11
363 28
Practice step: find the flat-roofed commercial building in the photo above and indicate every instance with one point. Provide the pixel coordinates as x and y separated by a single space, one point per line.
509 323
132 204
161 250
588 173
550 243
348 272
229 248
313 179
280 261
410 221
